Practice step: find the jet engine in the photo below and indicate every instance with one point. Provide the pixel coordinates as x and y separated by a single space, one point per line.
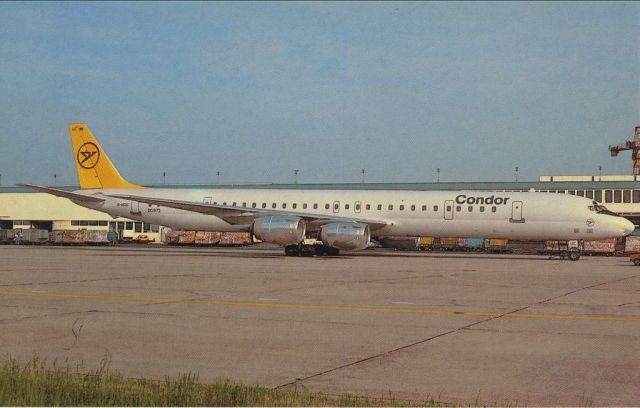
347 236
280 229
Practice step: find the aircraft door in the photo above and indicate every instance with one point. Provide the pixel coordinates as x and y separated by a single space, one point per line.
134 208
516 212
448 210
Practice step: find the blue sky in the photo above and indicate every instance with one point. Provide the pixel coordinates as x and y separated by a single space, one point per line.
255 90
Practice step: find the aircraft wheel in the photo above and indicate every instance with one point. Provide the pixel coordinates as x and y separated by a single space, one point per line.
332 251
636 262
307 250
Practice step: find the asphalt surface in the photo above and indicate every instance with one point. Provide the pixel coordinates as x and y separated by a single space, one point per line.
467 328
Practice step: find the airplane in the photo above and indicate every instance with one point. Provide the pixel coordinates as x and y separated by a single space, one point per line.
338 219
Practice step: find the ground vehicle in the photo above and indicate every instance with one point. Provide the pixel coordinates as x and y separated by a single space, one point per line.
635 258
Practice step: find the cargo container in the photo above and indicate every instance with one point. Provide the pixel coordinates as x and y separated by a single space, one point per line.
235 238
498 245
632 244
474 244
79 237
563 249
602 247
426 243
451 244
207 238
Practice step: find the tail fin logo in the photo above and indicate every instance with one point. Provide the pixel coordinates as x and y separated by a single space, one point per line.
88 155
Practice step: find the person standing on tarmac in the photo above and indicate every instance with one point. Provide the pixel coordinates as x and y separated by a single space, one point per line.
18 238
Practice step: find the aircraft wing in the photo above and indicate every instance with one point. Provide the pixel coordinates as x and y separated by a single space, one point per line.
63 193
242 215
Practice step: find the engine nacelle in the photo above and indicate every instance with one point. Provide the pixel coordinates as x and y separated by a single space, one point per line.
345 235
280 229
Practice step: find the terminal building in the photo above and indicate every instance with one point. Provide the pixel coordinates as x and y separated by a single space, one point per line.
23 208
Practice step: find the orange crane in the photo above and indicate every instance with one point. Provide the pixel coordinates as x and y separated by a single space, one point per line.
634 146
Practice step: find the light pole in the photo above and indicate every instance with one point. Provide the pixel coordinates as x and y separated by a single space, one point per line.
363 171
517 173
0 179
164 177
600 172
55 176
295 175
218 174
438 175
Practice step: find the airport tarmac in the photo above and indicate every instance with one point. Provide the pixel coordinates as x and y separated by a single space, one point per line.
465 328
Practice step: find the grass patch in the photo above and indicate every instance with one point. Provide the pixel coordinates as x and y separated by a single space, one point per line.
40 384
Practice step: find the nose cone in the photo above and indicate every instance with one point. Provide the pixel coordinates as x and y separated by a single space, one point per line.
627 227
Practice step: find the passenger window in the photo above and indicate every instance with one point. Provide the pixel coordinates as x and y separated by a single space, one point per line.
470 208
379 207
448 208
295 205
435 208
368 207
264 205
253 205
284 205
357 207
458 208
424 208
597 195
617 196
390 207
626 196
413 208
336 206
225 203
234 204
401 207
346 206
572 192
327 206
315 206
493 209
244 205
482 208
215 203
273 205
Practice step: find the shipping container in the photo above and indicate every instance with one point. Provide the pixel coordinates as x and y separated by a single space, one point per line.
451 244
601 247
426 243
235 238
498 245
400 243
632 244
474 244
79 237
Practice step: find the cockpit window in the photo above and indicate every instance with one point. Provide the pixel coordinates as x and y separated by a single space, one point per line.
601 209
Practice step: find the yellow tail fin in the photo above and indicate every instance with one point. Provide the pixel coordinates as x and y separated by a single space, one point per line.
94 168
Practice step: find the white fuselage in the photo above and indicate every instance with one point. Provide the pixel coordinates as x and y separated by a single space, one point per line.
480 214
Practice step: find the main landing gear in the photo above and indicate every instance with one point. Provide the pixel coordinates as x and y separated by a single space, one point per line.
310 250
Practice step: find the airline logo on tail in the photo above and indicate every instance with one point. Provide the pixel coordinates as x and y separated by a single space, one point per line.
85 155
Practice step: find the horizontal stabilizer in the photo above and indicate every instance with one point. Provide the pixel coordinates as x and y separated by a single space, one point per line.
63 193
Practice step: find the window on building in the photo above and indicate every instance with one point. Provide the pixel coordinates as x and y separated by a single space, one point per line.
154 227
589 194
75 223
138 227
86 223
93 223
608 196
146 227
572 192
635 196
617 196
580 193
626 196
597 195
128 226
